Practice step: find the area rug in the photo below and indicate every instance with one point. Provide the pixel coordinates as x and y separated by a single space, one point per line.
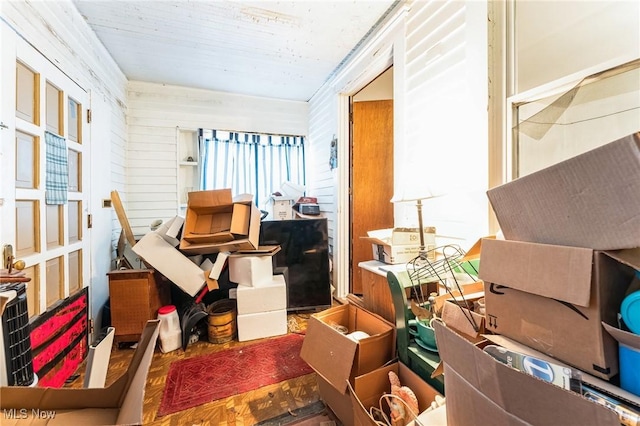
198 380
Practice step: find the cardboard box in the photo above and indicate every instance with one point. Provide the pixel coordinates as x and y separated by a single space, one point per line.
587 379
554 298
262 324
391 245
281 208
368 388
214 223
590 200
269 297
339 402
483 391
212 217
120 403
336 357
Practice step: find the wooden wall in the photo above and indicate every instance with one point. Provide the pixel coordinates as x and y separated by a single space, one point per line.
154 112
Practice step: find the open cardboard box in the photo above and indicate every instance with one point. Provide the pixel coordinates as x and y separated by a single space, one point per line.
590 200
483 391
554 299
368 388
337 359
120 403
214 222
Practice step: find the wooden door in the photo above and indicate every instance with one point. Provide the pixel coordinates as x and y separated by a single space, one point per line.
44 158
371 178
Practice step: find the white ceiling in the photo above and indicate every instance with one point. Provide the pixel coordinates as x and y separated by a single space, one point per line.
276 49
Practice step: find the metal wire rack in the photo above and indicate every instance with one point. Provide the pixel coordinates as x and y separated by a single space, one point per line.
446 266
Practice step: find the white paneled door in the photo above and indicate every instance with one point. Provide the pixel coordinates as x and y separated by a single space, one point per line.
44 162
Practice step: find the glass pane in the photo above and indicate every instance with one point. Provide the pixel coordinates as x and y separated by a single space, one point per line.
75 227
33 286
26 161
53 110
73 121
74 170
27 227
75 271
26 94
600 109
55 274
55 226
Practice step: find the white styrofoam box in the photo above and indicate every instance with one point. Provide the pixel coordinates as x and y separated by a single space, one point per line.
252 271
270 297
263 324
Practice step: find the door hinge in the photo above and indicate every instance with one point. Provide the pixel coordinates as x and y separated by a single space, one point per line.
91 326
89 221
88 116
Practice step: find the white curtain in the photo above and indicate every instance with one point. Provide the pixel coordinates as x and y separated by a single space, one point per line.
250 163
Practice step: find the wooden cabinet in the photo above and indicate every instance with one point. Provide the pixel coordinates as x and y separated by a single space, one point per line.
376 294
135 296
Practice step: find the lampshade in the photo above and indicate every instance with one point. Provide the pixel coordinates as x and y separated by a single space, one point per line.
414 193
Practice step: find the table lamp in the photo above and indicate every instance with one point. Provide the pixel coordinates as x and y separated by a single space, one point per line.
416 194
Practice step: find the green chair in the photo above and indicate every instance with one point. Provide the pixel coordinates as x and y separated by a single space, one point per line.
419 360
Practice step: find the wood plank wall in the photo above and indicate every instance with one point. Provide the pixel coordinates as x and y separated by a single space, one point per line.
154 112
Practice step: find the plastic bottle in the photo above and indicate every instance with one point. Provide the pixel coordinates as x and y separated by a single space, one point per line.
170 332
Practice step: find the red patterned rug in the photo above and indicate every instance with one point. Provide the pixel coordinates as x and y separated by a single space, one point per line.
207 378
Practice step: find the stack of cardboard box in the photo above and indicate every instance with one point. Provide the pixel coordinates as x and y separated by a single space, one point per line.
572 233
261 297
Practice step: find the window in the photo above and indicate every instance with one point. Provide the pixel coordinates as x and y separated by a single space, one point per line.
251 163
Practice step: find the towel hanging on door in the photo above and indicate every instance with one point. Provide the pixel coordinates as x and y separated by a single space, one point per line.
57 169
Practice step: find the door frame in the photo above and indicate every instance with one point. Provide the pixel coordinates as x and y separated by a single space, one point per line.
387 50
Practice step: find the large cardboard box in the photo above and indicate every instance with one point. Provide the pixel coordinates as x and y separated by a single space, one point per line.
554 298
214 223
590 200
368 388
483 391
336 357
120 403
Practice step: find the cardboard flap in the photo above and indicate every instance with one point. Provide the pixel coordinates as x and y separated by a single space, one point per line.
556 272
331 354
210 198
590 200
629 257
480 388
624 337
170 263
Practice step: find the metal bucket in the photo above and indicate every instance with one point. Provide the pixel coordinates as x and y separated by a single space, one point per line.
222 321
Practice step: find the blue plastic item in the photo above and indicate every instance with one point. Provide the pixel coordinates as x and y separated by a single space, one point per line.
629 371
630 311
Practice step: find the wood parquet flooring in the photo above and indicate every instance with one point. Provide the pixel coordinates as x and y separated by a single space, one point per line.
240 410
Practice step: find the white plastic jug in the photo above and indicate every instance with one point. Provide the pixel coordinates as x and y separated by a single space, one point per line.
170 332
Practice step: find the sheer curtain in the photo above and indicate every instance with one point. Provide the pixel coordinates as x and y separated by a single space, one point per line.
250 163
